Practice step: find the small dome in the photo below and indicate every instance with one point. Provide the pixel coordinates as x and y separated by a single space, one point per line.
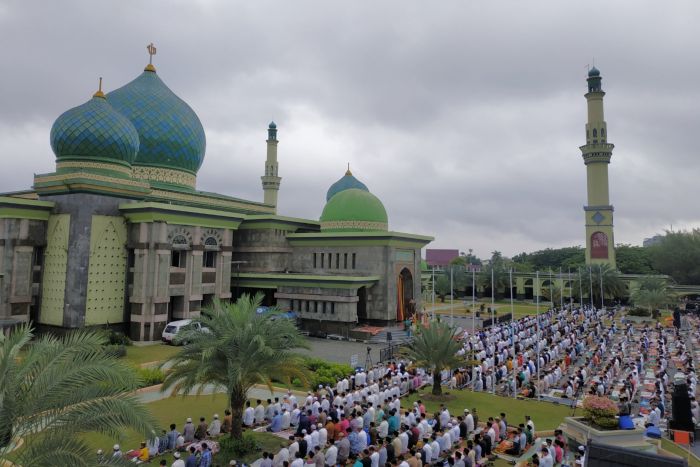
347 182
272 125
171 135
94 130
354 210
593 72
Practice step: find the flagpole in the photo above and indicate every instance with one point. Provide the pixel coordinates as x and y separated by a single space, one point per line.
561 290
512 324
433 297
602 297
539 290
590 279
452 299
493 322
580 288
473 300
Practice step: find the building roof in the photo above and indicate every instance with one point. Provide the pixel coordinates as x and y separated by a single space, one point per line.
354 210
170 133
440 257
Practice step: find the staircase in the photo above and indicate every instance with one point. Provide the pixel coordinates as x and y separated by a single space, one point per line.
398 336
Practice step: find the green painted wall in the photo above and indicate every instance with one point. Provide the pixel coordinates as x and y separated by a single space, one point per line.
55 264
106 271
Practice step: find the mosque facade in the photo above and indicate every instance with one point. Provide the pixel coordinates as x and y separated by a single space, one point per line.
119 235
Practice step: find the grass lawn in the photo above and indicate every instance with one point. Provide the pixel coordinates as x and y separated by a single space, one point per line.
138 354
547 416
521 309
176 410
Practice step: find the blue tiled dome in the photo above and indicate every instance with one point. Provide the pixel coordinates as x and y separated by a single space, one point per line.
170 133
94 130
593 72
345 183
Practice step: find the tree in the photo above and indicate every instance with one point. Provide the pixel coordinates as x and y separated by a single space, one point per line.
554 258
239 350
678 255
436 348
613 287
652 293
553 293
500 267
442 286
53 389
633 259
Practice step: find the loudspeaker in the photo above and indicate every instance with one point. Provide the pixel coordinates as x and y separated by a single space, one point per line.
682 417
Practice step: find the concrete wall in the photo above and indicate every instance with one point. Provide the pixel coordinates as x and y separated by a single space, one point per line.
21 240
263 250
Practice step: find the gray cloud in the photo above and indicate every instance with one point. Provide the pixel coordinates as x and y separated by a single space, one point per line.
464 118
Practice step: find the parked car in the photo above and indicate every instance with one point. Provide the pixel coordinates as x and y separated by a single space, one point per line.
175 328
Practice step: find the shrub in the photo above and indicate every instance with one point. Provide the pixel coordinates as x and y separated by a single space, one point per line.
639 312
239 447
601 411
324 372
116 350
118 338
151 376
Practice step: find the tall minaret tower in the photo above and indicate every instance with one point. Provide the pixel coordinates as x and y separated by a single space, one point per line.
600 241
270 181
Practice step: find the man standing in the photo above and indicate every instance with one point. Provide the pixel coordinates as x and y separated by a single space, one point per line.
343 448
331 455
188 431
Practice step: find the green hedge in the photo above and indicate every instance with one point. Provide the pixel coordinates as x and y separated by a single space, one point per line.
150 376
324 372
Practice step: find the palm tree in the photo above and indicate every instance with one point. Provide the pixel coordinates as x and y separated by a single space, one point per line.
435 348
54 388
613 286
240 349
652 293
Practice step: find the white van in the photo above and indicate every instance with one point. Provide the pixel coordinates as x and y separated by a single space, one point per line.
174 327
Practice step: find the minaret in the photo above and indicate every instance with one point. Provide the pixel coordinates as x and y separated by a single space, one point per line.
600 241
270 181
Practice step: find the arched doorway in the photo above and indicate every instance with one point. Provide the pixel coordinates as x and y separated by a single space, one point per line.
405 304
362 304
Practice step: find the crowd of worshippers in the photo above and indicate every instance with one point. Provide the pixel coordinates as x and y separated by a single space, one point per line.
194 446
366 426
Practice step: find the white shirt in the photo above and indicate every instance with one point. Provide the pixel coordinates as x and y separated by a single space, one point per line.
298 462
179 463
375 459
332 455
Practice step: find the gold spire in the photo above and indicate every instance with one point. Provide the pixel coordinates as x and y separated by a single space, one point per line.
348 171
151 52
99 92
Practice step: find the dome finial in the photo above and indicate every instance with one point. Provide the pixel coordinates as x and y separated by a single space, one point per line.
348 171
99 92
151 52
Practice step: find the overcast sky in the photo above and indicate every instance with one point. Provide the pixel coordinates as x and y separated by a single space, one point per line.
463 117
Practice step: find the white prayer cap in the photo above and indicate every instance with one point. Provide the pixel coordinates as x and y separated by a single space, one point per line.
116 447
216 415
303 432
189 420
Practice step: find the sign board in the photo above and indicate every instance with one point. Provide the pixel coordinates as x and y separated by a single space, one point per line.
353 360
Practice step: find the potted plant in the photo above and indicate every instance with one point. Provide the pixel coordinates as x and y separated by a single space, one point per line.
601 411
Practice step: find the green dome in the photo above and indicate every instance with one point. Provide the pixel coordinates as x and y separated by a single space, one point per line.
345 183
170 133
354 210
593 72
94 131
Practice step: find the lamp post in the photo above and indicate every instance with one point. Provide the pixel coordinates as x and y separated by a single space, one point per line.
580 288
590 279
561 290
433 294
473 300
452 299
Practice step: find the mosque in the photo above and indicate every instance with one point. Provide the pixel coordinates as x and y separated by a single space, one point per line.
120 236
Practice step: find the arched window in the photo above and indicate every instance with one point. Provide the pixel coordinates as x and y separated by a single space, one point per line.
211 241
595 133
602 132
180 240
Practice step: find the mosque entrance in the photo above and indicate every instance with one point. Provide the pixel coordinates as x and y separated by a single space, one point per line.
362 304
405 304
